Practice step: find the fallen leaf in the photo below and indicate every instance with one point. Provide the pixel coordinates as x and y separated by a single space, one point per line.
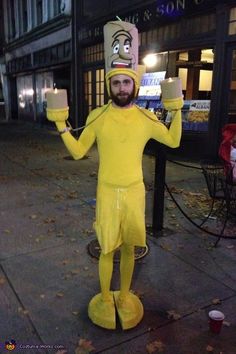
59 294
209 349
73 195
216 301
49 220
93 174
7 231
165 247
2 280
60 234
195 194
65 261
75 313
88 231
34 216
157 345
226 323
172 314
85 347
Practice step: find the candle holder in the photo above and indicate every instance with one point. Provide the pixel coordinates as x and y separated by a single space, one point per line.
173 104
172 96
57 105
58 115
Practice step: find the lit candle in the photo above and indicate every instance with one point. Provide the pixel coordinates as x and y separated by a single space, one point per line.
171 88
56 99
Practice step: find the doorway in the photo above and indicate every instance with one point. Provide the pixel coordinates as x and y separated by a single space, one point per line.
94 89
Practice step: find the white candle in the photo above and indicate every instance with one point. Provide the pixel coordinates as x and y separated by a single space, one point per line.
171 88
56 99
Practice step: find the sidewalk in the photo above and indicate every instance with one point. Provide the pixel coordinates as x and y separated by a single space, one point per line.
47 276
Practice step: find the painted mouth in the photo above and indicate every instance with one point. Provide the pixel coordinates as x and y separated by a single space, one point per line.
118 64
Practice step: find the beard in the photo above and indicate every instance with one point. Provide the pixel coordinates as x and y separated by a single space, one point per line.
123 99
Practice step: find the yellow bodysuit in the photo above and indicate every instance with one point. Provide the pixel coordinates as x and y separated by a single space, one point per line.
121 135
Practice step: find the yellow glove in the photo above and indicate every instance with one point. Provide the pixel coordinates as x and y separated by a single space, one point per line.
173 104
58 115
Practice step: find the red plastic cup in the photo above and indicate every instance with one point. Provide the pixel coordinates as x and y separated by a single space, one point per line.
216 319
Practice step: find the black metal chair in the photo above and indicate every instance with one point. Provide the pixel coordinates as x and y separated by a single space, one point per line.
222 188
213 173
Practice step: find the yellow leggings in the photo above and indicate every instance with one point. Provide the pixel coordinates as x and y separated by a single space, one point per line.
126 271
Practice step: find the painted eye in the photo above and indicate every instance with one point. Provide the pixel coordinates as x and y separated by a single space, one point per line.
126 48
116 48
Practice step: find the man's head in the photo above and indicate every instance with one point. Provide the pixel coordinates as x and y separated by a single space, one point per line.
122 90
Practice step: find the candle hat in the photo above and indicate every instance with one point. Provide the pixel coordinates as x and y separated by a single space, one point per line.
121 50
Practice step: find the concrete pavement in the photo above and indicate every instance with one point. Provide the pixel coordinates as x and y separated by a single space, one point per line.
47 275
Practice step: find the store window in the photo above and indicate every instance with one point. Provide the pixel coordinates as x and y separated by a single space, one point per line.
88 91
195 68
93 53
54 8
25 94
232 92
232 21
99 87
93 89
44 82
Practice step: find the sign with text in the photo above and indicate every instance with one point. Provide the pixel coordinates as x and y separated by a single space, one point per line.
156 13
150 85
195 115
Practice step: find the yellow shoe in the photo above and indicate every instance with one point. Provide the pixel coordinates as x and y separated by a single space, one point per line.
101 312
130 310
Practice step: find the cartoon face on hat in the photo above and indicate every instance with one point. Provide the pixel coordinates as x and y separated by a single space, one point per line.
121 45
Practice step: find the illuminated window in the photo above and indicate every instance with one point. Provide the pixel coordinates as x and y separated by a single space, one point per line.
93 54
99 87
207 55
232 21
88 90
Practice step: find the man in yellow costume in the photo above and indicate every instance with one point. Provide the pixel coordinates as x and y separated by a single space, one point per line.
121 130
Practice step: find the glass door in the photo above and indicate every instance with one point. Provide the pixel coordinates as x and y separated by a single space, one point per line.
94 87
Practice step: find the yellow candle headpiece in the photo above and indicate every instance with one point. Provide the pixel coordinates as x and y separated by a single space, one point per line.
121 50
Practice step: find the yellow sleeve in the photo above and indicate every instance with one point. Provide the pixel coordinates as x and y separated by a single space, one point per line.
78 147
170 137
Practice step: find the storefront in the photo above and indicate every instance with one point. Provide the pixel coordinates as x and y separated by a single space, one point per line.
195 40
37 55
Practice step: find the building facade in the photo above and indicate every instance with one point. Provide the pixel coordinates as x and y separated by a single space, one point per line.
61 42
37 54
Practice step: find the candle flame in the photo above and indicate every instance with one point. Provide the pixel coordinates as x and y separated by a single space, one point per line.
55 90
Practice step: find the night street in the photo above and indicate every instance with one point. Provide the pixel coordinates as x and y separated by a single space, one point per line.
47 275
